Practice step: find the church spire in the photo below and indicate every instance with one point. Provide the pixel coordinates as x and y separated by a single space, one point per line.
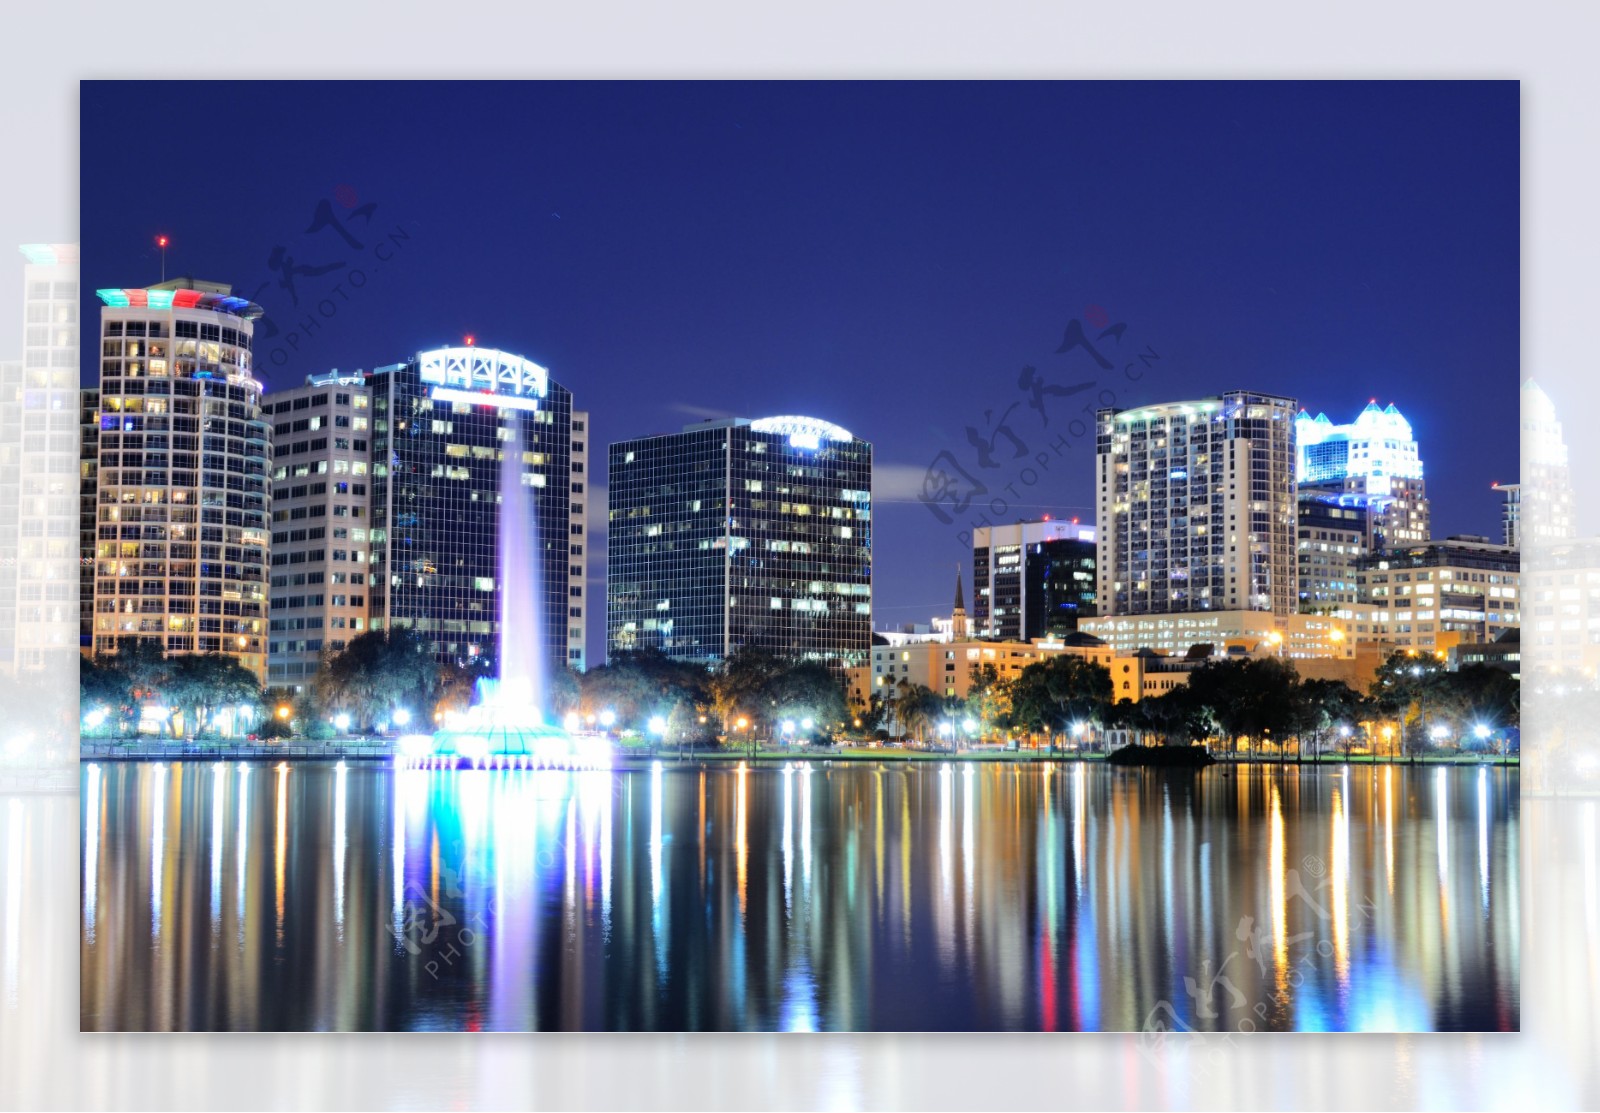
958 615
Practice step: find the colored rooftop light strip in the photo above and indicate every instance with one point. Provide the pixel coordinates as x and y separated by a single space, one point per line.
117 299
185 299
160 299
40 254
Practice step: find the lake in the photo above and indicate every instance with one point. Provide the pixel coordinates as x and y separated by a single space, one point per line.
799 897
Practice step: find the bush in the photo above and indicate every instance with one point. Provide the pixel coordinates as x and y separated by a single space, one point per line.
274 728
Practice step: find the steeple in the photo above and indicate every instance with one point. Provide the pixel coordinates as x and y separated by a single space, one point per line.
958 614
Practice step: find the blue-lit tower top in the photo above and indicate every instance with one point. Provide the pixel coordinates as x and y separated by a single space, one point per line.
1378 445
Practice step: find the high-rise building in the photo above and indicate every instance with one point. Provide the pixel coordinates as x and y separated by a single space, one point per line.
183 499
1331 537
1032 578
1510 513
742 533
321 519
1432 596
38 513
440 424
1373 464
1197 506
577 558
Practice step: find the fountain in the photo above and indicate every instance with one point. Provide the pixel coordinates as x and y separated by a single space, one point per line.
507 728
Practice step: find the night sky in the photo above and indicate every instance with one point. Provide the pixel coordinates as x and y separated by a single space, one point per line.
888 256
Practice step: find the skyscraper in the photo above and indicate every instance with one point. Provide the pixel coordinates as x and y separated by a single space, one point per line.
742 533
1372 463
440 424
321 519
1197 506
1032 578
182 499
1546 515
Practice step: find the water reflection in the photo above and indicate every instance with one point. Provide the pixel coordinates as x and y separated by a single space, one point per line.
858 896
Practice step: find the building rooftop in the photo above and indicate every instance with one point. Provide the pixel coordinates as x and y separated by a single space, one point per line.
182 293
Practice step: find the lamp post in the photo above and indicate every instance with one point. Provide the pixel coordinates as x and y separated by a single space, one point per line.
658 727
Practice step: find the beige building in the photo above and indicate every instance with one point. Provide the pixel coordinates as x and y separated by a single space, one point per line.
946 667
1433 596
1295 637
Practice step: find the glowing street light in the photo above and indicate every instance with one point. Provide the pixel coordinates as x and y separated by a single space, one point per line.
573 722
608 718
342 721
806 724
400 717
95 718
1440 732
742 723
658 725
1482 732
283 710
970 725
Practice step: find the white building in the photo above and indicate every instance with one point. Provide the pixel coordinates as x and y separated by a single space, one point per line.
1197 507
181 529
1372 463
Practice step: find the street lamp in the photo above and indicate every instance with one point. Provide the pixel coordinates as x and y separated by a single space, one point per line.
283 710
573 721
400 717
608 717
342 721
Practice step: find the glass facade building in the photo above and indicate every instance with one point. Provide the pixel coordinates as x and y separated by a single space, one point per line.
742 533
182 494
440 423
1033 578
1196 504
1371 464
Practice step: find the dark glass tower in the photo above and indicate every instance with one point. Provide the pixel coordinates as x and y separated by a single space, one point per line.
439 423
742 533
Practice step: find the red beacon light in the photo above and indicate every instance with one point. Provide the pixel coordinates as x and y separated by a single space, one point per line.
470 340
161 241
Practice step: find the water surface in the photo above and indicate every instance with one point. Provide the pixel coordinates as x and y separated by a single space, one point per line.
852 896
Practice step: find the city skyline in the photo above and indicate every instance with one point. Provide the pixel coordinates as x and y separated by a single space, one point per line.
928 243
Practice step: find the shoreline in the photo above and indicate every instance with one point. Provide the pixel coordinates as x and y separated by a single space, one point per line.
629 760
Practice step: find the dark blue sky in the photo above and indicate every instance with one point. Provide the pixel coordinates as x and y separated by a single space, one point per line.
888 256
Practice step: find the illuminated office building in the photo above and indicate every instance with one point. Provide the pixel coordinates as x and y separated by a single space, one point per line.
1330 538
182 503
1196 505
321 518
1433 596
1372 464
1032 578
440 423
742 533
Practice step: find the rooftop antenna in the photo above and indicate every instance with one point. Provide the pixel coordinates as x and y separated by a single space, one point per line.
161 242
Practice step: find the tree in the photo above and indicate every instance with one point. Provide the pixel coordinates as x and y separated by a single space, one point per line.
1177 715
104 686
1331 705
1404 686
202 684
739 688
916 708
1061 690
1254 697
377 672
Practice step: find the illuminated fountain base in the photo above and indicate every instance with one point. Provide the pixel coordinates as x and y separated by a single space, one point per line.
502 731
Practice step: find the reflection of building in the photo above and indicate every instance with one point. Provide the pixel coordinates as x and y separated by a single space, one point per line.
39 583
320 521
1371 464
1197 506
1432 596
1562 600
1546 495
1297 637
88 494
1032 578
742 533
181 533
439 424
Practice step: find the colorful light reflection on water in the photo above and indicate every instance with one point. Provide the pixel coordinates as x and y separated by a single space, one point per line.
851 896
